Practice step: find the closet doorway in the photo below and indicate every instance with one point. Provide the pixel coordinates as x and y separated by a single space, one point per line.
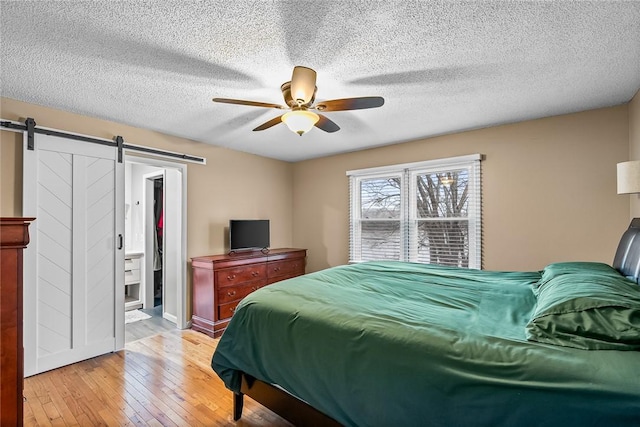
155 227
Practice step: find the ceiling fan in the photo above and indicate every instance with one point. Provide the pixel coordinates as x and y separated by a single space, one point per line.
299 95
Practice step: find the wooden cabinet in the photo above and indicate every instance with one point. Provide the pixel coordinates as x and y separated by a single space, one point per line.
221 281
14 237
133 291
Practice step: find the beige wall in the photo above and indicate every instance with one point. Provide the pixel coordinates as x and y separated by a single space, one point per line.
549 190
634 147
548 185
231 185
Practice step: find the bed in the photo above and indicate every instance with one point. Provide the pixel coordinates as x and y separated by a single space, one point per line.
393 343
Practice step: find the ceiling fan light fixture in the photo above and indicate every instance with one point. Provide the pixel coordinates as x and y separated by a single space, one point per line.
299 96
300 121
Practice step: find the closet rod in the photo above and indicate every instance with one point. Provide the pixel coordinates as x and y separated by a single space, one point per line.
30 127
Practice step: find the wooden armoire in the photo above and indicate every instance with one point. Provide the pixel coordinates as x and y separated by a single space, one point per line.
14 237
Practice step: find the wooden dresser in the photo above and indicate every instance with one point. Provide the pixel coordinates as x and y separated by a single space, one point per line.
221 281
14 237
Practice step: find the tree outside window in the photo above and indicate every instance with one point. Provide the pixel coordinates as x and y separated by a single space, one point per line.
418 214
442 218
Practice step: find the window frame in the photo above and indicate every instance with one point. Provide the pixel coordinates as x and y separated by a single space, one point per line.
355 252
408 173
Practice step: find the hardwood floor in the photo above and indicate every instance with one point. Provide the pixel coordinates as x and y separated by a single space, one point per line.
162 380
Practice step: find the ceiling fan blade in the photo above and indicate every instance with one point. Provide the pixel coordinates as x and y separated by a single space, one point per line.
268 124
303 84
250 103
326 124
350 103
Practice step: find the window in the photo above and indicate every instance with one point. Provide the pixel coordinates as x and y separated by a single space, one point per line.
425 212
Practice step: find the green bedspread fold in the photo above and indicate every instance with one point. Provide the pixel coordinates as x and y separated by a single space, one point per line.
392 343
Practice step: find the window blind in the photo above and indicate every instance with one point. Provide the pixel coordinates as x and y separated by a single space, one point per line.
425 212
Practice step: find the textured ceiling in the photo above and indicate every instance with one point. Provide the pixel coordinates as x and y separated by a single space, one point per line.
442 67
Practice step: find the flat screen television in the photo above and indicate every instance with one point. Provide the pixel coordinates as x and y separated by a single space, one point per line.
245 234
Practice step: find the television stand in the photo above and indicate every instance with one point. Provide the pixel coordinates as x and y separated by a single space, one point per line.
221 281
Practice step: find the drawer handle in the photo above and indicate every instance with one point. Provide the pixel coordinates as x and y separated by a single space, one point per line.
276 269
232 293
232 309
254 288
255 273
231 277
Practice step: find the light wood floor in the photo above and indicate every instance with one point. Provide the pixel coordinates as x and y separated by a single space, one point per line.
165 379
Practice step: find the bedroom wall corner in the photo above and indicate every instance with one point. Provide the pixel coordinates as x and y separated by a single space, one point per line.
634 147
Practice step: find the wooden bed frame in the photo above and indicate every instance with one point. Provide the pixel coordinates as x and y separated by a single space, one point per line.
279 401
298 412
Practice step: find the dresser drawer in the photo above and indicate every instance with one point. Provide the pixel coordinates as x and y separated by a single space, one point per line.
237 292
226 310
286 268
131 276
271 280
131 264
237 275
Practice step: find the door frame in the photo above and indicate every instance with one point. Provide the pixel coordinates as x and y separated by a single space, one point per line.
182 322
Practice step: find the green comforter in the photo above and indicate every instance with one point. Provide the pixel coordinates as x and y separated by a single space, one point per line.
391 343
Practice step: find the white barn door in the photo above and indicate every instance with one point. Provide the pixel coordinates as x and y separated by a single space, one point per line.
74 266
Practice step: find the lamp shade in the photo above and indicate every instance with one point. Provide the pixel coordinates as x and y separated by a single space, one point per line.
303 84
629 177
300 121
